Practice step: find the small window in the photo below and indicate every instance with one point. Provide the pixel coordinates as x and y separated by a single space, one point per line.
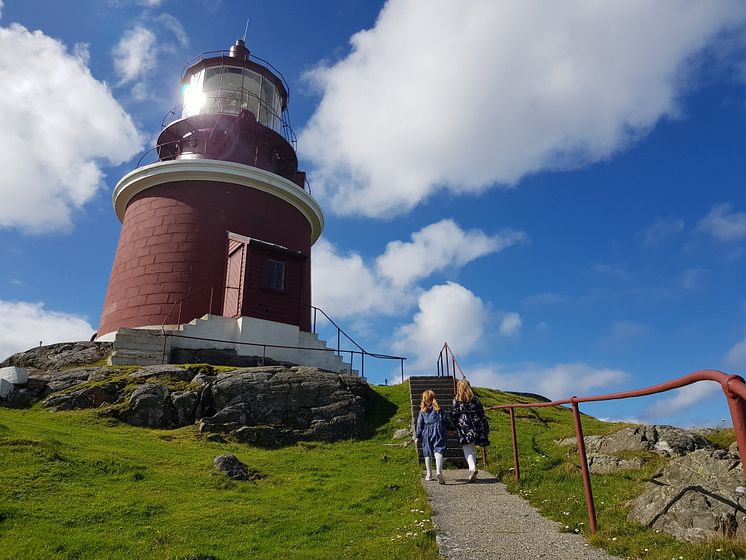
274 277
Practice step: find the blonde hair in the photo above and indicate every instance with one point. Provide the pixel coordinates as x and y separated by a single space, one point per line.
463 391
428 398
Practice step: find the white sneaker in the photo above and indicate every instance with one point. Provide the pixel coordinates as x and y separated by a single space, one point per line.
440 478
428 478
473 475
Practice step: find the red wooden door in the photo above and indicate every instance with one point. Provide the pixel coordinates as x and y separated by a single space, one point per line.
234 278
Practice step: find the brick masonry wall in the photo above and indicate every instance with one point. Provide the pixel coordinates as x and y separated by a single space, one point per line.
174 241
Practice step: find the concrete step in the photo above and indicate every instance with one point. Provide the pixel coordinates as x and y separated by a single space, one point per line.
140 346
125 356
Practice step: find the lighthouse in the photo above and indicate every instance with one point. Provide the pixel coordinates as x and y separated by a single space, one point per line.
216 234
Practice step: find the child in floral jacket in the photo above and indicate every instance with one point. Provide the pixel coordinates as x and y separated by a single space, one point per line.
471 424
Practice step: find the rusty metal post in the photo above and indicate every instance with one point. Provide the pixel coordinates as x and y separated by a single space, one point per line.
516 466
484 456
584 466
737 407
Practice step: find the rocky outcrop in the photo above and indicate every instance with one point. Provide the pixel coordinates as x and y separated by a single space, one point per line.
667 441
86 397
281 405
267 406
696 497
55 357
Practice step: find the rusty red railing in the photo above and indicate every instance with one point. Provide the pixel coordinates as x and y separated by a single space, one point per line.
733 386
447 364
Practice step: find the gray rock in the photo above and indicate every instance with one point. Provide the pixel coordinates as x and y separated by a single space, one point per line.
733 449
607 464
171 372
150 407
6 388
59 356
285 405
15 375
233 468
185 405
662 440
62 380
87 397
694 497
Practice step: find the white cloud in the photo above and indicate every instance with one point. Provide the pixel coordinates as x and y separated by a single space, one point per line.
134 54
723 225
683 399
462 96
555 382
736 356
57 128
437 247
141 48
662 230
173 25
345 286
447 312
25 324
510 324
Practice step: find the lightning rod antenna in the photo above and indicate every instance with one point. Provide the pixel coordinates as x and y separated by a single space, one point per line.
246 30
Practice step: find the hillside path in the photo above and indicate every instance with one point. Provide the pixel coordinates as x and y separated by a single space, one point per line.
482 521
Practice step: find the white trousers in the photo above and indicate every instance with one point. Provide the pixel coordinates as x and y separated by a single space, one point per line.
438 464
470 455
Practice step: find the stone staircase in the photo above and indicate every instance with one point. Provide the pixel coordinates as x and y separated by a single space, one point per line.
443 387
139 346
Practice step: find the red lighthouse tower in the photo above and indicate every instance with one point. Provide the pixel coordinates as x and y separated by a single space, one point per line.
221 225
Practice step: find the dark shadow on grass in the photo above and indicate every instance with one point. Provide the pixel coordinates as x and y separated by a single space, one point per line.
379 411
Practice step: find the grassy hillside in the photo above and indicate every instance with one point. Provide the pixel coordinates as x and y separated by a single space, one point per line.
551 481
73 485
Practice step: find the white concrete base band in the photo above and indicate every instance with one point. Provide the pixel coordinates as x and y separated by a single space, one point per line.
162 172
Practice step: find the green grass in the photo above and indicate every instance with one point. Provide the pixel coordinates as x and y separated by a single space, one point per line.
75 485
551 481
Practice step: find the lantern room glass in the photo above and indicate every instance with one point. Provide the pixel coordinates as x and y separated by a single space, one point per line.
229 89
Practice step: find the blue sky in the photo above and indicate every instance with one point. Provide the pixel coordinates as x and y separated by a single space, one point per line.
557 189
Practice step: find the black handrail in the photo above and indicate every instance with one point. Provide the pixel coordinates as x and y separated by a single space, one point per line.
339 351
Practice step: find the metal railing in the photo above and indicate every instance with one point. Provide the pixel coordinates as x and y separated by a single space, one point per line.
339 351
446 364
733 386
360 350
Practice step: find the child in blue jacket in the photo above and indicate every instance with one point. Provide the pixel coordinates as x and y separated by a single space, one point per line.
431 431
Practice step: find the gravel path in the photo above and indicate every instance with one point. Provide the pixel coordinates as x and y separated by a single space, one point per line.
483 521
